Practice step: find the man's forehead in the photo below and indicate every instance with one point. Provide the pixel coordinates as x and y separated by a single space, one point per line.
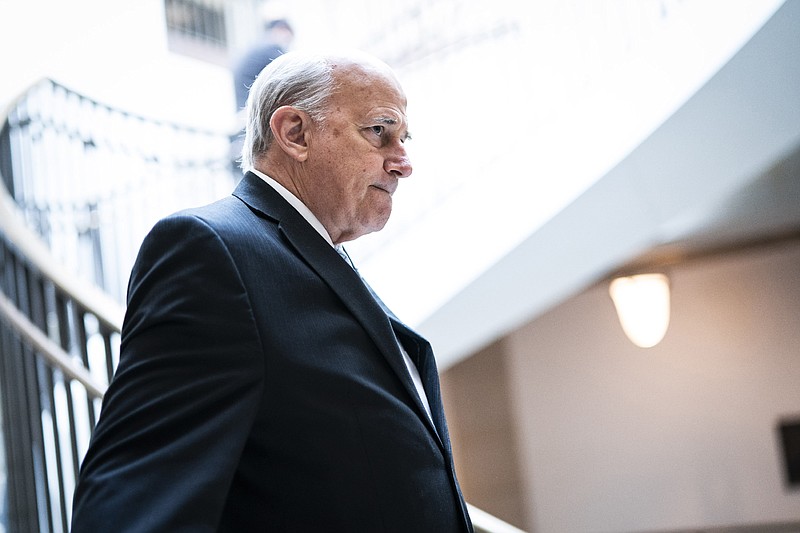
372 93
372 102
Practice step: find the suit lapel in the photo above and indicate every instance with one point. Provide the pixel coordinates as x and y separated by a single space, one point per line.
421 352
379 322
426 364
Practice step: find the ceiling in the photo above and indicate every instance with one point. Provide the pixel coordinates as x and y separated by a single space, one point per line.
763 212
721 174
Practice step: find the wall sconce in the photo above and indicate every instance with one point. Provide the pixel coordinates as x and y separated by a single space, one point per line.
642 303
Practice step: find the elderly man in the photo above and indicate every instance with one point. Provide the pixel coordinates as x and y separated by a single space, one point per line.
261 385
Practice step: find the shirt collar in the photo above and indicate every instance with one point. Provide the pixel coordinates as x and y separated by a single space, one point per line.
297 204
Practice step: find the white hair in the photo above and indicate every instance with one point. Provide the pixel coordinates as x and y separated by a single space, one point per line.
303 80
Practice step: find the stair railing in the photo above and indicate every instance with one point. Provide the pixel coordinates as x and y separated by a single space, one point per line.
58 348
80 184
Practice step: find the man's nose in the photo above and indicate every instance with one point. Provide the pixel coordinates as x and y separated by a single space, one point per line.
397 162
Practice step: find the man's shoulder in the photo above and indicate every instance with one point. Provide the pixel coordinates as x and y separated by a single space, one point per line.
218 213
218 209
227 217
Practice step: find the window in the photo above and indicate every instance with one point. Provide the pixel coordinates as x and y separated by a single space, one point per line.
198 29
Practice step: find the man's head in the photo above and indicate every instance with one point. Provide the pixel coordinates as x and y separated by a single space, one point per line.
279 32
331 129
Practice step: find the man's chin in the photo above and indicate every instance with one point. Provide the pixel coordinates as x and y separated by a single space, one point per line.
375 224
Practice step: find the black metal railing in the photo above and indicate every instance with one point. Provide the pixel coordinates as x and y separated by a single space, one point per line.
82 183
56 358
91 180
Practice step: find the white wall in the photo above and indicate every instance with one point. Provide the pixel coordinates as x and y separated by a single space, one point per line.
683 435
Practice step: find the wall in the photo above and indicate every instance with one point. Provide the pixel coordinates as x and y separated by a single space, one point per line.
682 435
483 433
565 426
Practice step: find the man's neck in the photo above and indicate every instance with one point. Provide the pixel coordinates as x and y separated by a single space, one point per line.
295 202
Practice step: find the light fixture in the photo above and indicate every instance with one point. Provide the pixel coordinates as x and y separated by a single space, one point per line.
642 303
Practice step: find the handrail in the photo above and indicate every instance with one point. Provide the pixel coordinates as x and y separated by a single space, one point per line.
62 141
55 328
108 311
29 243
484 522
49 349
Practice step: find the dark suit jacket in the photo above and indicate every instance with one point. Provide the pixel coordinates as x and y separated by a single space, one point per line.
261 388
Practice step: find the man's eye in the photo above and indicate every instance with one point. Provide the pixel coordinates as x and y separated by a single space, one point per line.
377 130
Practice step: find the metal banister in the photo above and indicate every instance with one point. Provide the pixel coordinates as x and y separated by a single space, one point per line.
107 310
49 349
58 339
484 522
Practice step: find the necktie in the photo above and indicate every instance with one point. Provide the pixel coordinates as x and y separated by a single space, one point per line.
344 255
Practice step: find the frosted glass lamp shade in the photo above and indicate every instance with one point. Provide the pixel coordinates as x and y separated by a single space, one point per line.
642 304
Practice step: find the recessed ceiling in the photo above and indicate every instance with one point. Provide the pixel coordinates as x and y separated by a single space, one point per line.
764 211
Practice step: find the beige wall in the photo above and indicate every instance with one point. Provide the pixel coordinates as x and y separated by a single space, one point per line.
483 432
610 437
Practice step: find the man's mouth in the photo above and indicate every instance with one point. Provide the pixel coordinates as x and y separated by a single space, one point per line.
389 189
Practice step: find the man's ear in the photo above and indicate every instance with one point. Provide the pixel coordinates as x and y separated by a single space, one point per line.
290 128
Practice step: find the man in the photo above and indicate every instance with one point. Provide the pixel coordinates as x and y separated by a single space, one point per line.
261 386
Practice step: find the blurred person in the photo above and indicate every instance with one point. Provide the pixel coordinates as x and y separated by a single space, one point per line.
262 386
278 36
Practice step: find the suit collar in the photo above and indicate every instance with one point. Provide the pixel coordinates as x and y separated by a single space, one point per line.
298 205
262 198
373 315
